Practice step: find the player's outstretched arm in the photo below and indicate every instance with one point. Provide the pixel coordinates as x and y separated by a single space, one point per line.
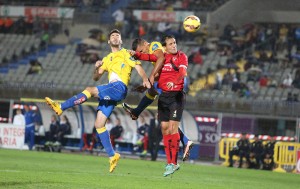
157 68
142 56
98 71
182 74
143 74
158 65
182 67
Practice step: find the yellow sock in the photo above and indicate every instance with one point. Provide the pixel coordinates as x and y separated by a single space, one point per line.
87 94
101 130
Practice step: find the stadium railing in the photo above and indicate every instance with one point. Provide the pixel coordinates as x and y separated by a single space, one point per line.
285 156
225 145
284 152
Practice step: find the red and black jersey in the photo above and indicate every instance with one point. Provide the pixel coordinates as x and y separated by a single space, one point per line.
170 71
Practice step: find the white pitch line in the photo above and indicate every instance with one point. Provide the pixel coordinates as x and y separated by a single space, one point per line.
9 170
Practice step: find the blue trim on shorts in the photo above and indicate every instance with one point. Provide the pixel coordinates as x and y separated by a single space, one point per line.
158 90
109 95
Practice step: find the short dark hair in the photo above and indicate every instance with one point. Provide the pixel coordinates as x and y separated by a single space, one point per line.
136 42
113 31
164 39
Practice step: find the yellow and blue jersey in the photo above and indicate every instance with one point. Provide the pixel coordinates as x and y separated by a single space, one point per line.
154 46
30 118
119 63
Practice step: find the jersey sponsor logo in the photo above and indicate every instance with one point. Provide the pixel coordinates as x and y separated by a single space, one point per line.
168 65
79 101
122 66
107 98
175 114
154 47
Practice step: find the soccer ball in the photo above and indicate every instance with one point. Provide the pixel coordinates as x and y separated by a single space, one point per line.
191 23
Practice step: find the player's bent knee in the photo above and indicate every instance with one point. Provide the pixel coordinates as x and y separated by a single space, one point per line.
89 89
152 92
92 90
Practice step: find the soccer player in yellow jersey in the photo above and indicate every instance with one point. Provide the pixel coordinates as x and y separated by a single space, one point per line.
142 50
118 64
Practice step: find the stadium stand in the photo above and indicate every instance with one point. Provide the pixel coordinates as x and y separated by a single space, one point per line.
228 79
198 5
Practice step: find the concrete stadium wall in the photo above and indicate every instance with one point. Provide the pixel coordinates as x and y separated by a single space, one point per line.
238 12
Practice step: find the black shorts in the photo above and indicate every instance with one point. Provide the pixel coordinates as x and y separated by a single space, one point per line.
170 106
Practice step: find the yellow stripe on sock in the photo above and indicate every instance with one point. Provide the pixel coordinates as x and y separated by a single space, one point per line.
87 94
101 130
150 96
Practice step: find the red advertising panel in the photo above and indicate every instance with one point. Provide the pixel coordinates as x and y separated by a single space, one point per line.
11 136
46 12
158 16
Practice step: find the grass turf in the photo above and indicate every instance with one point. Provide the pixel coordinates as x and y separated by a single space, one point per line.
31 169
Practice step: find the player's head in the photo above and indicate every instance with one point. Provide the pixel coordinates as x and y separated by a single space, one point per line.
64 119
140 45
273 138
26 107
244 136
19 111
53 118
169 43
114 38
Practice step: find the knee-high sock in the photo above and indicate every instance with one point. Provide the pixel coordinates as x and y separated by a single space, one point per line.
93 139
85 140
175 138
75 100
183 138
146 140
105 140
112 140
144 103
167 145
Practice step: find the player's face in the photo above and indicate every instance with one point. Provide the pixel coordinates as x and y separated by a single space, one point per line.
143 48
53 118
171 46
19 111
26 108
115 40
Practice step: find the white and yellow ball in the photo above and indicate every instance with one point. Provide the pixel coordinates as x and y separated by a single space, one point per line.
191 23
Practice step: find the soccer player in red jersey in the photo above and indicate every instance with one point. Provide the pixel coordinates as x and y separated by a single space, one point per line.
172 99
155 53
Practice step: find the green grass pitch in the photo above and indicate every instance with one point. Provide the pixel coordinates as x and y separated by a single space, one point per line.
32 169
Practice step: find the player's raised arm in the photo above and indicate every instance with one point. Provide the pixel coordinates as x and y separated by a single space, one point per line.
158 66
182 68
143 74
98 71
145 56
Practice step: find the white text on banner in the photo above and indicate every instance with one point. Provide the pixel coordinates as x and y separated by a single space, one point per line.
11 136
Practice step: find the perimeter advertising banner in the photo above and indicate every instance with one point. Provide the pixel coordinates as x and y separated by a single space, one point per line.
11 136
161 16
208 135
298 162
44 12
